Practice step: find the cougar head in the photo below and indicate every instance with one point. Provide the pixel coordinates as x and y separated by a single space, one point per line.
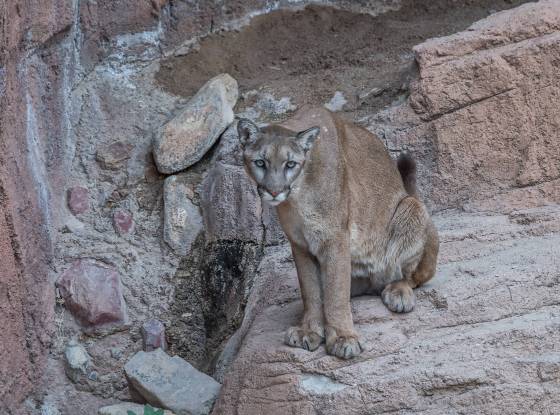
274 157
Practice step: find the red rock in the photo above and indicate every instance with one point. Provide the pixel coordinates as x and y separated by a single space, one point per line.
93 294
153 335
123 222
78 200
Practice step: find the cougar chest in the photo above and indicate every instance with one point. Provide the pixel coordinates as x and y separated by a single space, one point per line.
302 228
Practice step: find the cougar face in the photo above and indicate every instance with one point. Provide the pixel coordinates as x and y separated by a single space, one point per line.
274 157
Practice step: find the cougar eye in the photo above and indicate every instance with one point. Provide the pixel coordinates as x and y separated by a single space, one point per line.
259 163
291 164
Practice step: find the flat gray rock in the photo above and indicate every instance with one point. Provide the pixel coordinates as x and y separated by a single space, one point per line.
188 136
171 383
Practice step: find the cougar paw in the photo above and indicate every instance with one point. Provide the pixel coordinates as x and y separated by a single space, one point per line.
399 297
343 346
303 338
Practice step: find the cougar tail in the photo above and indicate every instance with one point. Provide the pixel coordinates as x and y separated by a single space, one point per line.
407 169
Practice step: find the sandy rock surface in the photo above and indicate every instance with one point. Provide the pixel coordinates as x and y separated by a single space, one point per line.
482 340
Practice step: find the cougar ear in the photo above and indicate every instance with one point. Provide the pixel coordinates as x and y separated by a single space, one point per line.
247 131
306 138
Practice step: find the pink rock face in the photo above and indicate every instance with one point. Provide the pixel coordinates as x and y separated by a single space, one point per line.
153 335
92 292
123 222
489 97
78 200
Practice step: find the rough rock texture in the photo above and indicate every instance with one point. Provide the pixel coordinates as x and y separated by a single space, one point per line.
123 222
153 335
190 134
114 155
182 219
78 200
475 334
123 408
78 361
92 292
172 383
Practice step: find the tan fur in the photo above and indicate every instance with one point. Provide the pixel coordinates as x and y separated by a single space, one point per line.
352 226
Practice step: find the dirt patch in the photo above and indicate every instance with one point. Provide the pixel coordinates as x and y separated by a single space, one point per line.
310 54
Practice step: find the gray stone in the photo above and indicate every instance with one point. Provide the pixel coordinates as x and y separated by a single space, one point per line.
153 335
77 361
116 353
182 219
92 292
171 383
231 207
189 135
123 408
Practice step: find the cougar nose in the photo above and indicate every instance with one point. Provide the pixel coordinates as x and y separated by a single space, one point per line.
274 194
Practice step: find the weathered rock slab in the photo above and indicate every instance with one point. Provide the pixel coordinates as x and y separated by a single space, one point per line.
172 383
182 219
189 135
92 292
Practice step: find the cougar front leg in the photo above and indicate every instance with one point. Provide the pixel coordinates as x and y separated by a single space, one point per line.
310 333
341 338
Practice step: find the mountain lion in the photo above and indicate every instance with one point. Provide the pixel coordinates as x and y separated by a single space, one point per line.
351 214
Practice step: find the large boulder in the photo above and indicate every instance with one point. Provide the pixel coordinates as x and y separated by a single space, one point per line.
92 292
190 134
488 98
172 383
